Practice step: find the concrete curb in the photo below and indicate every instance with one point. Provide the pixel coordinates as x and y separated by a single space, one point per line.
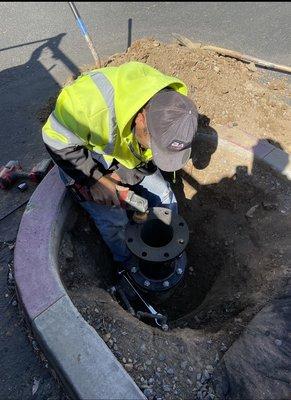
262 150
83 361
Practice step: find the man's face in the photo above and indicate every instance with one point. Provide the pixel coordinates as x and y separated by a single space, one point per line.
141 131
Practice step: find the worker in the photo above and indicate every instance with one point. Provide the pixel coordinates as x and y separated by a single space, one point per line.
115 128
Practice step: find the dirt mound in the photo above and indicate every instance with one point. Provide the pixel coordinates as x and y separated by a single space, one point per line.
227 91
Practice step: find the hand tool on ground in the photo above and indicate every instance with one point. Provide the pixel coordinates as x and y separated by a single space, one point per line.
13 171
133 301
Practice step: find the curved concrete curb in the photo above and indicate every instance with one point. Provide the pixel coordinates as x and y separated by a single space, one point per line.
83 361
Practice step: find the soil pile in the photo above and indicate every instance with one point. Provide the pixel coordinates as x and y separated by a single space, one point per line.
226 90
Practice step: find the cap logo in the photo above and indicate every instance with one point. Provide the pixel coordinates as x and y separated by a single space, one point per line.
178 145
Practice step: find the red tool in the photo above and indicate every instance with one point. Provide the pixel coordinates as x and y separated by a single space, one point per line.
13 171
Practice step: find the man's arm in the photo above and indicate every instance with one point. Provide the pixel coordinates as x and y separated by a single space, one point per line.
79 165
76 161
62 135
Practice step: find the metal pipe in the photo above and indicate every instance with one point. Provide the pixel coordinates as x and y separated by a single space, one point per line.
85 33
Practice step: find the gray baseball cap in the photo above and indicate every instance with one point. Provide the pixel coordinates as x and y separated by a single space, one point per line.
172 120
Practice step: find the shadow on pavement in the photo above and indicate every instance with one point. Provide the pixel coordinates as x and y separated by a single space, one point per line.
24 89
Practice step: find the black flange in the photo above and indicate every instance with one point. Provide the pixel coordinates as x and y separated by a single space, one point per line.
148 284
162 237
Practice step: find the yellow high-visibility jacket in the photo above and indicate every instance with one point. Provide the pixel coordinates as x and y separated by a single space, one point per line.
92 120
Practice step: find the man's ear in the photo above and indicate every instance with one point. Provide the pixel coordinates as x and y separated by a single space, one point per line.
140 119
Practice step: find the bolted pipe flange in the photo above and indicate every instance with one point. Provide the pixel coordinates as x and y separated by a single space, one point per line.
164 284
162 237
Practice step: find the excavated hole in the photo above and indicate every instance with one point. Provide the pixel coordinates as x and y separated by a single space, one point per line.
223 243
236 264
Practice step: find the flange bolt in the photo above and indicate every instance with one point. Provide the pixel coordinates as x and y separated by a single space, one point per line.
133 270
166 284
179 271
147 283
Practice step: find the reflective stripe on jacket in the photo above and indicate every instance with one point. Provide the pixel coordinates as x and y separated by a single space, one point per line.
96 111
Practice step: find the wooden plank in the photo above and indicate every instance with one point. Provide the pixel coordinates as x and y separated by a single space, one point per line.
231 53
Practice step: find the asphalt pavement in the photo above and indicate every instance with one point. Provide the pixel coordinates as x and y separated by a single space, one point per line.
40 45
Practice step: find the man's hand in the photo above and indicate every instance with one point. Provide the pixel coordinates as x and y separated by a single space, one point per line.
104 191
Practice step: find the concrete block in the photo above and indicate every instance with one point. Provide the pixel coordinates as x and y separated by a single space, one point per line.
262 149
280 161
85 364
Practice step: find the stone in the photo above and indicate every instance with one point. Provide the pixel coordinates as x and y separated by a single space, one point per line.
128 367
106 337
198 377
199 396
251 211
199 385
278 342
169 371
206 375
251 67
269 206
148 392
210 369
223 347
161 357
166 388
183 364
34 345
35 386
